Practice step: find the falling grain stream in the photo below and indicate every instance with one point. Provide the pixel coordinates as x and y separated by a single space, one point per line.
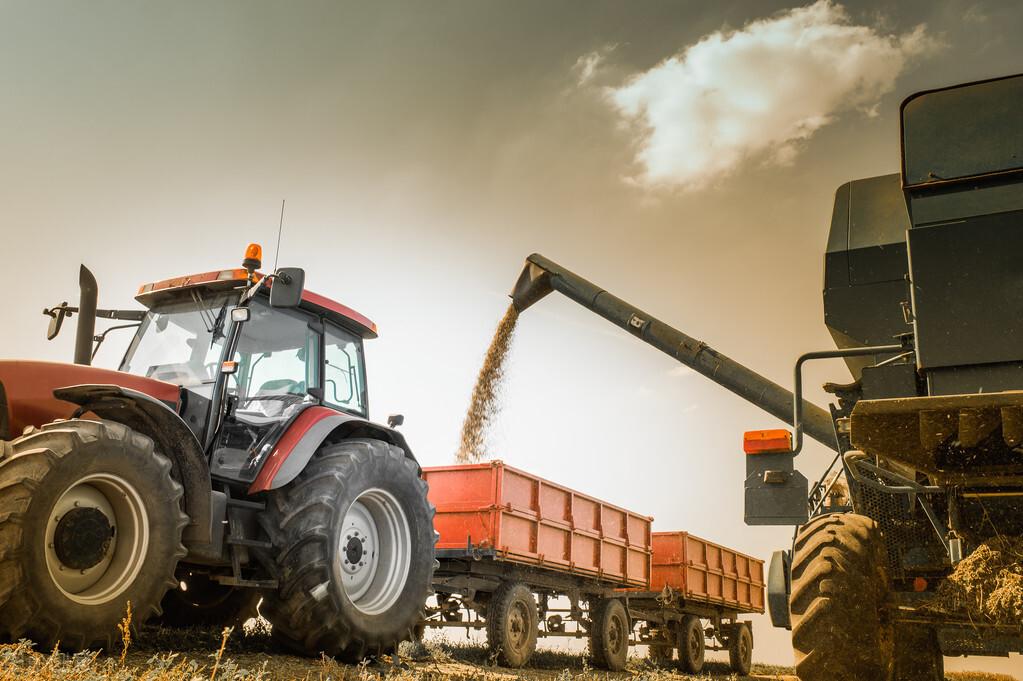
485 404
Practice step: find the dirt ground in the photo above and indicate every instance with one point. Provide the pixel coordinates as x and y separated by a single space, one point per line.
159 654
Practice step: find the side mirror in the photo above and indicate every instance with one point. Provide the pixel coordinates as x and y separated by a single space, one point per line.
287 286
56 316
395 420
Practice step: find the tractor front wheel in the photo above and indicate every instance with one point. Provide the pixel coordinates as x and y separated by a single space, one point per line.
90 521
354 543
839 589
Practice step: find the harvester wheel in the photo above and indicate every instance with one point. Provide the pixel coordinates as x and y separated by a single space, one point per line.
609 634
740 649
512 621
199 601
90 520
692 644
918 655
354 552
839 589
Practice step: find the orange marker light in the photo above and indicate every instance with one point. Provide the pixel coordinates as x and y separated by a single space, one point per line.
253 257
920 585
767 441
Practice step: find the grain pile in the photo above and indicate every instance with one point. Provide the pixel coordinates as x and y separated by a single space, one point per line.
484 406
987 584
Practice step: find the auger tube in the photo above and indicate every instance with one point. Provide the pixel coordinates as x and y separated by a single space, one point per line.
541 276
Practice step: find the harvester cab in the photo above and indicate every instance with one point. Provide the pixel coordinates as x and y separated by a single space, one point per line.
231 455
923 293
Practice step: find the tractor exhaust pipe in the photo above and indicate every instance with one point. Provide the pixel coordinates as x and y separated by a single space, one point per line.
541 276
86 316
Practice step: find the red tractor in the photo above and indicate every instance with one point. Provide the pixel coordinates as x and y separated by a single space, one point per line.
230 459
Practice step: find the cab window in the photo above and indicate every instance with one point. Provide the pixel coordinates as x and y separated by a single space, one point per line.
344 385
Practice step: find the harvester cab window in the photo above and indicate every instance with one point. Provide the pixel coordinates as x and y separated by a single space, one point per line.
344 383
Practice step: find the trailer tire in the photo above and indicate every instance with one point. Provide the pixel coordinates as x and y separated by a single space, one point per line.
609 634
90 520
740 649
839 589
512 624
206 603
692 644
353 545
918 655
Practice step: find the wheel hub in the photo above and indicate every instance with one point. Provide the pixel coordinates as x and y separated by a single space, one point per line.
354 550
82 537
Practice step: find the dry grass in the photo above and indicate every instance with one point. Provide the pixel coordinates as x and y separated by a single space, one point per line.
250 655
987 584
484 406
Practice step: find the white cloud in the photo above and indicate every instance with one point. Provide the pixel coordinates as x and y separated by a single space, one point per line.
587 66
755 94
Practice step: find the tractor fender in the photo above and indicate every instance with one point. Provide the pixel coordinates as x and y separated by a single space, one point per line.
174 439
304 436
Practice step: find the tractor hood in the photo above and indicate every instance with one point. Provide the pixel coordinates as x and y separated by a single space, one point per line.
26 390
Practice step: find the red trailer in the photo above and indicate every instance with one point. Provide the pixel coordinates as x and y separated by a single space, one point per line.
511 543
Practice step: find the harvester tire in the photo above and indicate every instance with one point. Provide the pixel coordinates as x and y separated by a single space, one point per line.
692 644
205 603
918 655
512 624
610 631
90 521
740 649
839 589
353 542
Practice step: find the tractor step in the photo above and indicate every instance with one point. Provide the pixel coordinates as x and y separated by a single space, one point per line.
244 503
247 583
249 543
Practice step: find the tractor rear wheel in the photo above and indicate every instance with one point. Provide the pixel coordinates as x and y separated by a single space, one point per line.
839 589
692 644
354 552
198 601
918 655
90 521
512 622
609 634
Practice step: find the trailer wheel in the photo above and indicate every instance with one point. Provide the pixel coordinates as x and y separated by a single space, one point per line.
90 520
354 552
692 644
839 588
204 602
740 649
918 655
512 624
609 634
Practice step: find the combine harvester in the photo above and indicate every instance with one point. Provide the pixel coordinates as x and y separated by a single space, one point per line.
923 294
511 542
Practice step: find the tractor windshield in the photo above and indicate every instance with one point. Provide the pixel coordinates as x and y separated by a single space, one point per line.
181 342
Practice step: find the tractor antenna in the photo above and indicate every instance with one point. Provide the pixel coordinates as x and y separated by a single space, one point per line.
280 228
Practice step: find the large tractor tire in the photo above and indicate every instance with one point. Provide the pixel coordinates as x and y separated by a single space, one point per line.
198 601
840 630
90 520
918 655
512 624
610 631
354 544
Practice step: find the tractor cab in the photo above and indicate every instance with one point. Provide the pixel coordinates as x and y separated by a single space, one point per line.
246 363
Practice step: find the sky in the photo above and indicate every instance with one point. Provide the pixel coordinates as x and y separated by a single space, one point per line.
682 155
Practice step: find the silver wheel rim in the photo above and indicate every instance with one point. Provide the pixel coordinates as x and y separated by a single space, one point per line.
374 551
122 560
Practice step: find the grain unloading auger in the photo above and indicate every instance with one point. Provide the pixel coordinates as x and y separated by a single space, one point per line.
923 293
